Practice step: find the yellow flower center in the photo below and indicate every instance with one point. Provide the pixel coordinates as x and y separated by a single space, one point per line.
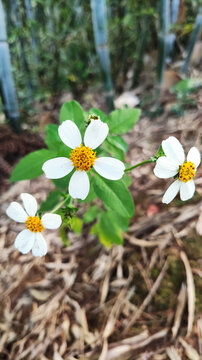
187 171
83 157
34 224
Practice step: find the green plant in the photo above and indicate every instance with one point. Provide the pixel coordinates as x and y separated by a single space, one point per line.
110 217
183 91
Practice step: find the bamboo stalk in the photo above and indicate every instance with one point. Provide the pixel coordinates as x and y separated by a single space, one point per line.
174 11
99 19
6 78
194 35
143 41
163 39
31 19
25 65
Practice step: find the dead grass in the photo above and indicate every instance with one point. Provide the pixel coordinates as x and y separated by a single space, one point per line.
137 301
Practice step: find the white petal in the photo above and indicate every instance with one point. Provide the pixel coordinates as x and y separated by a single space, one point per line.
109 168
165 168
173 150
51 221
187 190
25 241
171 192
16 212
40 246
95 134
79 185
57 168
194 156
70 134
29 203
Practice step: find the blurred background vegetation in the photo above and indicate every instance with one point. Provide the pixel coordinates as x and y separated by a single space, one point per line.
52 44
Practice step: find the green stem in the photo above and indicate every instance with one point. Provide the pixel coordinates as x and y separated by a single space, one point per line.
139 164
59 206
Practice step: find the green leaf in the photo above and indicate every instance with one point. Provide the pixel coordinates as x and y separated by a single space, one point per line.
94 230
91 214
52 138
113 150
119 142
109 232
63 183
186 86
76 225
51 201
116 146
73 111
30 166
122 120
127 179
114 195
120 221
63 235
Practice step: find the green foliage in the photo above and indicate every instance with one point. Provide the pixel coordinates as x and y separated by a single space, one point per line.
67 214
72 111
108 231
62 183
183 89
52 138
160 153
114 196
51 201
91 214
76 225
186 86
45 46
115 146
120 221
31 165
122 120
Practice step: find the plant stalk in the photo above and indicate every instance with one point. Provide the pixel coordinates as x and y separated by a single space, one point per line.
139 164
59 206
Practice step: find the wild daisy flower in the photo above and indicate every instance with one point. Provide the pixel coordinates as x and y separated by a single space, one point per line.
83 158
173 164
31 237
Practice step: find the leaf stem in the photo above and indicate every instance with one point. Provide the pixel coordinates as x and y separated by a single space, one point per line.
59 206
139 164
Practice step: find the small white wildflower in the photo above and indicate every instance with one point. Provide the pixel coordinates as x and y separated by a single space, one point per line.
31 237
82 158
173 164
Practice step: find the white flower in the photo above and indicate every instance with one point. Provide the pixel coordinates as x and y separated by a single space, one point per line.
31 238
173 164
83 158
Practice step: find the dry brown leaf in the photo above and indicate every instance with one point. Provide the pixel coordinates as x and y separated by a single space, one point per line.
199 225
179 311
191 353
171 78
103 355
122 352
190 292
172 353
40 295
199 332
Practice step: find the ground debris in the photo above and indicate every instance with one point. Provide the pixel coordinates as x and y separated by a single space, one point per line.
129 302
